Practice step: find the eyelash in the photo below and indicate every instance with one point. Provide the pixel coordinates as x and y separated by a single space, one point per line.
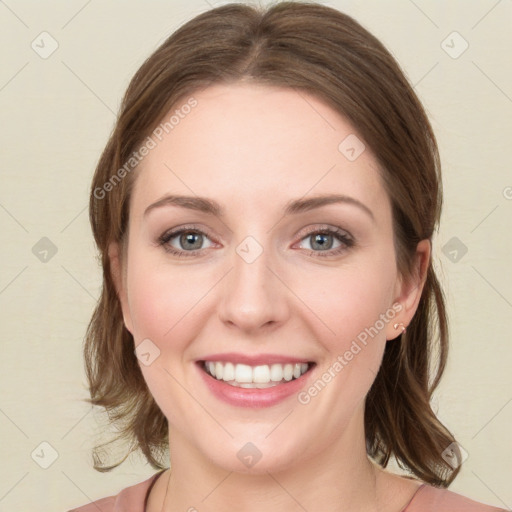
339 234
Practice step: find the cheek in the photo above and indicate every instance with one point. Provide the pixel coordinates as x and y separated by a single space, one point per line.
349 301
160 298
164 305
352 309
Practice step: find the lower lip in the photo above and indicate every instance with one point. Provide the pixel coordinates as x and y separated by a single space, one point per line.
253 397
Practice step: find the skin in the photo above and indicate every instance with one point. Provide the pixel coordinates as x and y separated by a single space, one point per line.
254 148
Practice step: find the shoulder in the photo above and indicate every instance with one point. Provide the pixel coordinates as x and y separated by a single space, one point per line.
130 499
433 499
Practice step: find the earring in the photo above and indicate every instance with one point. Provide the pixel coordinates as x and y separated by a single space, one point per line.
396 326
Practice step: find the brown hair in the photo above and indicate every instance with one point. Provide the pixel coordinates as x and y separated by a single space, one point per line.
321 51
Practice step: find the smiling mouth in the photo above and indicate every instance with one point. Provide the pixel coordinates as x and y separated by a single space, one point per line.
260 376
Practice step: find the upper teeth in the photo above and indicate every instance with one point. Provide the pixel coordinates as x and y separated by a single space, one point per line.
263 374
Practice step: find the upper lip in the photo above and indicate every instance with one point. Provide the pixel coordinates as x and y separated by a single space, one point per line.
255 359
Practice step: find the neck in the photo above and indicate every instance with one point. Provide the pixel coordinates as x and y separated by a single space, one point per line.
339 478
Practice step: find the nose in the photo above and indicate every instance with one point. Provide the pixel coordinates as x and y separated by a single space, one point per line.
253 297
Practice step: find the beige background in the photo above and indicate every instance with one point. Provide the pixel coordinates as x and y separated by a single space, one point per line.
56 115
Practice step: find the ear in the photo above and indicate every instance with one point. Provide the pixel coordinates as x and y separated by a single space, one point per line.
119 278
408 292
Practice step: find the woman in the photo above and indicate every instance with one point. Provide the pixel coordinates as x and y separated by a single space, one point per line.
284 356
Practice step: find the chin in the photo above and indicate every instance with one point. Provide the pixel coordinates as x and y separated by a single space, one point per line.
254 456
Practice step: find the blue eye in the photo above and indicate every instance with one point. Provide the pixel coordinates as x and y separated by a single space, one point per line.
322 241
188 241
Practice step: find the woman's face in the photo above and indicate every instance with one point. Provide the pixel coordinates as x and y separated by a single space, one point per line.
260 235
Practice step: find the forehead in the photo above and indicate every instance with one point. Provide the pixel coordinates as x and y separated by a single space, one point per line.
246 143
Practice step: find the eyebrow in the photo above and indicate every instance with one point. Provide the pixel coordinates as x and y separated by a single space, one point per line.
205 205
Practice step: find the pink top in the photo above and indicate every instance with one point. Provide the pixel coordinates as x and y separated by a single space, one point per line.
426 499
